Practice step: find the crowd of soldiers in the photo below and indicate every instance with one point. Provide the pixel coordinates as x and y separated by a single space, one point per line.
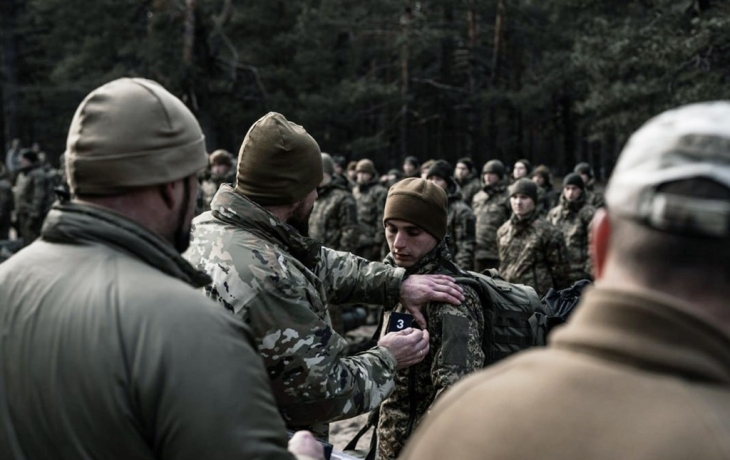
200 319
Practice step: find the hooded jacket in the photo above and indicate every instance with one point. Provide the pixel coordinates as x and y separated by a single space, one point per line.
108 351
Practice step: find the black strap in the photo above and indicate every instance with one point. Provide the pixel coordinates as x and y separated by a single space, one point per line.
372 422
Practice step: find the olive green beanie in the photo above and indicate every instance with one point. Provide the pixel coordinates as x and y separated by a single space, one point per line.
420 202
131 132
279 163
525 187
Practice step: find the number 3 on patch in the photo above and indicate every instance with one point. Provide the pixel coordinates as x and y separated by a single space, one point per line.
399 321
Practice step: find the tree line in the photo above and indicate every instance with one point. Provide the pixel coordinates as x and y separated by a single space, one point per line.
553 81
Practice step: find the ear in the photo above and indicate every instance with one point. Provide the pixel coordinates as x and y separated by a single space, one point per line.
168 192
600 236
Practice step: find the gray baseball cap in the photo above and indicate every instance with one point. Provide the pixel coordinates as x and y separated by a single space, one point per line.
688 142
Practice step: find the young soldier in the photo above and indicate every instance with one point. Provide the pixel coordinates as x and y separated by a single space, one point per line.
466 177
492 209
370 198
593 196
547 199
460 222
573 217
415 225
221 171
531 249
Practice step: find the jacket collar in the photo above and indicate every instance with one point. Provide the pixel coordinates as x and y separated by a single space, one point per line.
430 263
648 330
239 211
76 223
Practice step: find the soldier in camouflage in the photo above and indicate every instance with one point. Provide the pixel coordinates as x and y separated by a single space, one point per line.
593 197
280 283
492 209
465 176
221 171
370 198
31 196
531 250
6 203
334 223
573 217
547 199
460 222
415 227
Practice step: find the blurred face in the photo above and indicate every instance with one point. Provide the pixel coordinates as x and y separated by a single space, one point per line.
408 243
409 168
219 170
352 174
539 180
571 192
363 177
439 181
461 171
521 204
519 171
338 169
491 178
585 178
424 174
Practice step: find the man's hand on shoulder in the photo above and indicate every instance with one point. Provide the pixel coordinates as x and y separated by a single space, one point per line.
417 290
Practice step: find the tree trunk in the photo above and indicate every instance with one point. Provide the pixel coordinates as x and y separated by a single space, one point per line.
9 54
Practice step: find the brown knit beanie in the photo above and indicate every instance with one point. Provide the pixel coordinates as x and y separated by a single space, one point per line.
279 163
524 186
131 132
420 202
366 166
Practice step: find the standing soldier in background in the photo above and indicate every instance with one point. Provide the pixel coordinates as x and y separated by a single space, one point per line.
415 228
351 174
339 176
425 167
370 198
31 196
522 168
334 223
6 203
12 159
411 167
221 172
573 218
593 197
531 249
460 222
466 177
491 209
546 196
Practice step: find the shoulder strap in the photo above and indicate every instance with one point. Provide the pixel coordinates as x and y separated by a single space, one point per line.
371 423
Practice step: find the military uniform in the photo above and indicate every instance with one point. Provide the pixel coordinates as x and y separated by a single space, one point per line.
6 204
280 283
455 351
31 201
461 228
532 252
469 188
573 219
492 209
209 187
370 199
593 196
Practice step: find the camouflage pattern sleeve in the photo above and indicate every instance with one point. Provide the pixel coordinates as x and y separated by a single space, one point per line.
460 331
347 215
349 279
311 376
556 255
464 237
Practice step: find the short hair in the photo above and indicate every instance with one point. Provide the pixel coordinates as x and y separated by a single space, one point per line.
664 260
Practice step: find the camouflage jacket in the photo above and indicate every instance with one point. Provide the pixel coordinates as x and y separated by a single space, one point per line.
460 226
532 252
573 219
370 199
469 188
547 199
455 351
334 218
492 209
31 193
280 284
594 197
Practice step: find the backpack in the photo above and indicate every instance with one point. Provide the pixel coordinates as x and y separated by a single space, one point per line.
562 303
514 318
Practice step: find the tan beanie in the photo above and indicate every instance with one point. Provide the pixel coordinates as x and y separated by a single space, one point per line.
420 202
366 166
131 132
279 163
